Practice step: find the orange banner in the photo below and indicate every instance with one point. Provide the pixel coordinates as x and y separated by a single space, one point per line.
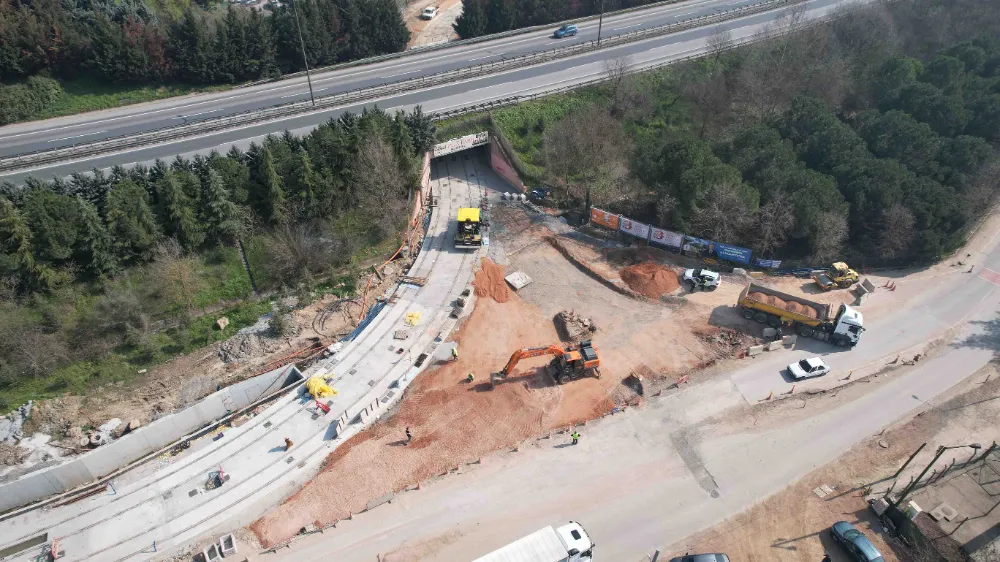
604 218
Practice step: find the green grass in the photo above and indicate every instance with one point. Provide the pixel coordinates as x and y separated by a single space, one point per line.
80 96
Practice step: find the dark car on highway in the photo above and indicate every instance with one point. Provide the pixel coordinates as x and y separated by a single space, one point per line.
701 558
855 543
568 30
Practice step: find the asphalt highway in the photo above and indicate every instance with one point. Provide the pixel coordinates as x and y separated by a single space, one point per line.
28 137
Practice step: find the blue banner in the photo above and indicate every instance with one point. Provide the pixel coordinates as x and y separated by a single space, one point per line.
773 264
703 248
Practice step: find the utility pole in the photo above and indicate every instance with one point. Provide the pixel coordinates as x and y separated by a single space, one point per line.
600 22
937 455
302 43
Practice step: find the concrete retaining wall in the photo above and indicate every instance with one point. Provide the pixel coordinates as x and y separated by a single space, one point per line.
153 437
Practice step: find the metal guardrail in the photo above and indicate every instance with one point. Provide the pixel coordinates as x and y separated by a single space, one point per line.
291 109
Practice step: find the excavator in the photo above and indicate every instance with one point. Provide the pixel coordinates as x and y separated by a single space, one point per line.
569 362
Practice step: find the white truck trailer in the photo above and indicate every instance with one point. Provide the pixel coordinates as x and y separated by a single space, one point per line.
569 543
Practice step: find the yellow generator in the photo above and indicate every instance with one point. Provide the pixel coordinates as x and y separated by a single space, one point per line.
469 233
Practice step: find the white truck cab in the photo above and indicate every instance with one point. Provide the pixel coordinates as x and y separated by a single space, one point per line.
568 543
850 324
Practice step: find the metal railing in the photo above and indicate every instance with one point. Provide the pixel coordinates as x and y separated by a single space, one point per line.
292 109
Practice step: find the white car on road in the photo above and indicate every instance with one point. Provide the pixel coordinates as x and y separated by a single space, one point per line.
702 279
429 13
807 368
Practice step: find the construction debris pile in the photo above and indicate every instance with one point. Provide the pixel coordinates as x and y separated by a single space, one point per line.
253 341
650 279
790 306
11 424
726 342
573 327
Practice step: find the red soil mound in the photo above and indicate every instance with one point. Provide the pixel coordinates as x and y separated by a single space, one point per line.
650 279
490 283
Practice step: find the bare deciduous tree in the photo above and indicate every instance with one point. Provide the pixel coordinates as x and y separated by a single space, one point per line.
665 207
174 276
588 153
627 97
722 215
297 251
720 41
827 236
897 231
712 101
774 221
380 185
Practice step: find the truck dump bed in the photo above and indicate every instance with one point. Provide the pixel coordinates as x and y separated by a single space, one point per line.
784 305
541 546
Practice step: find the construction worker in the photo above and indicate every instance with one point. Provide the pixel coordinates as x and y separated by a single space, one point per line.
470 378
576 437
288 444
409 436
454 353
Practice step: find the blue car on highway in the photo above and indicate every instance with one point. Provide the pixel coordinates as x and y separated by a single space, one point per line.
567 30
855 543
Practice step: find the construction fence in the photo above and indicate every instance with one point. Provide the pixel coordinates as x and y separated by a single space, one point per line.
678 242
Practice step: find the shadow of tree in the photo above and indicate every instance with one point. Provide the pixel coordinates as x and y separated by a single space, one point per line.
985 334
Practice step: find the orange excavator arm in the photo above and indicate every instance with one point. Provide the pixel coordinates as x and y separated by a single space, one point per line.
530 352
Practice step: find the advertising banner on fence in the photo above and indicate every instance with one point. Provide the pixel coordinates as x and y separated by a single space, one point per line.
637 229
604 218
461 143
705 248
773 264
665 238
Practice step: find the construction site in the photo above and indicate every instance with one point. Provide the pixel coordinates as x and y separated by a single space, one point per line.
538 329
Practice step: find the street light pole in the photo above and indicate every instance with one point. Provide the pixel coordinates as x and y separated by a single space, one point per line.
302 43
600 22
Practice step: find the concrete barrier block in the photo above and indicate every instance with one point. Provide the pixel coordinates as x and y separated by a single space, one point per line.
387 498
867 285
755 350
789 340
227 544
775 345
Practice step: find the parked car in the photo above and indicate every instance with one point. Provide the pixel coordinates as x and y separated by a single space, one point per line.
429 13
568 30
701 558
808 368
541 193
855 543
703 279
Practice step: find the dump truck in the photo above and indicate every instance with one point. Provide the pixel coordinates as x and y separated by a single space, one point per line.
568 543
838 275
809 319
470 226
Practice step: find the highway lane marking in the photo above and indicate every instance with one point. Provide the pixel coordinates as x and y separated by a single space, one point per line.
627 26
990 275
197 114
532 37
293 95
77 136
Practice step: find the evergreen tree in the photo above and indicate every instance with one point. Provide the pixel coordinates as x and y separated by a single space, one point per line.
94 251
219 214
270 189
304 183
422 129
473 21
177 213
190 49
260 47
130 221
17 257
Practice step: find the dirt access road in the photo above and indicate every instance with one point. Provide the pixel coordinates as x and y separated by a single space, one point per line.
431 32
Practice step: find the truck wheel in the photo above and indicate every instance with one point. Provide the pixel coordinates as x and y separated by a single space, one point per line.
748 313
774 322
841 342
562 379
760 317
806 331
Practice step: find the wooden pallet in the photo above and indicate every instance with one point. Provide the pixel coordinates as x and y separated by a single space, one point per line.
418 281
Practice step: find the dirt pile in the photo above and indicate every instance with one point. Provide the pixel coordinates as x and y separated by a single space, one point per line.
490 283
650 279
574 327
726 342
244 347
790 306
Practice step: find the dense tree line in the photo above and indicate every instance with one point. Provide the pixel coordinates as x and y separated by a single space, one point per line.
483 17
93 225
872 138
132 43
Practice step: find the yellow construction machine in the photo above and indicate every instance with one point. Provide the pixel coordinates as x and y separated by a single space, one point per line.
838 275
469 233
569 362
